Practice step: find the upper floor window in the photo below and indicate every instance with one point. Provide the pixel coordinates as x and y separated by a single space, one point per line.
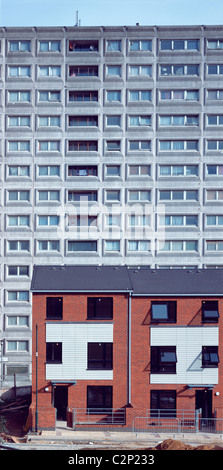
179 120
215 69
140 95
19 71
140 70
83 96
113 46
175 95
19 46
179 45
54 308
83 121
49 46
48 170
214 195
214 144
82 170
19 196
49 96
113 70
179 70
215 95
210 356
163 359
164 312
142 145
178 195
210 313
178 170
141 45
100 356
112 95
16 170
49 71
170 145
82 146
215 44
83 46
19 146
49 146
100 307
19 96
83 71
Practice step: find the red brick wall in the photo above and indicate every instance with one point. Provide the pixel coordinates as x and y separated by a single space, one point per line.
75 309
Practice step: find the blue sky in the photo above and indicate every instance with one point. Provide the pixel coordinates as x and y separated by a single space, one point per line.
110 12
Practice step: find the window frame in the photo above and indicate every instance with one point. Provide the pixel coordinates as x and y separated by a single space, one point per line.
94 309
171 311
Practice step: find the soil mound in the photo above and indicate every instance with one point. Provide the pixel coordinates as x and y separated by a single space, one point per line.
171 444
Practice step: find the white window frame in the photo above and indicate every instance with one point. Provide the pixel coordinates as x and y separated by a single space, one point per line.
48 217
18 246
179 175
19 71
218 246
172 224
48 167
19 96
17 344
162 246
49 246
216 224
19 192
20 45
19 220
173 92
19 171
17 323
141 71
139 246
217 193
18 295
50 69
139 195
50 44
49 192
178 190
19 145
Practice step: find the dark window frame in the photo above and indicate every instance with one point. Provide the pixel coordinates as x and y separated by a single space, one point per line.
157 400
210 357
171 314
159 360
212 307
95 307
54 308
54 353
104 393
100 356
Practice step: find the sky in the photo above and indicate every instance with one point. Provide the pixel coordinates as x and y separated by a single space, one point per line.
110 12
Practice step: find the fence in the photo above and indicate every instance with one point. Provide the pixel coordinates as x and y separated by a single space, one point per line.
180 422
92 416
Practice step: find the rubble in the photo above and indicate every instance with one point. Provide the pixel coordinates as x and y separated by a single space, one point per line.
171 444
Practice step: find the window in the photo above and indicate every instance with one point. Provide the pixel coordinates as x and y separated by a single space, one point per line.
215 95
49 121
18 245
18 221
163 403
49 170
179 44
214 245
83 46
18 196
49 146
113 95
113 145
179 70
100 356
99 397
19 121
19 96
178 195
49 245
140 95
54 353
83 121
178 245
139 170
82 220
143 120
113 120
77 196
82 170
215 120
100 307
142 45
179 120
19 170
178 145
19 71
54 308
163 359
49 96
17 321
49 46
214 44
143 196
21 370
210 312
178 220
85 246
214 144
19 46
214 220
139 220
175 95
140 70
112 170
49 71
82 146
112 195
113 220
112 245
19 146
141 145
83 96
138 245
48 196
18 296
18 271
212 195
210 356
178 170
17 346
215 69
113 46
216 170
83 71
113 70
164 312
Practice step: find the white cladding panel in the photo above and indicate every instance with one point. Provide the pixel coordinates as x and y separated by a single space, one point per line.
74 338
188 342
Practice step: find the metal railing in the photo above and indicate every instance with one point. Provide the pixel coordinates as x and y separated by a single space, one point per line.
98 416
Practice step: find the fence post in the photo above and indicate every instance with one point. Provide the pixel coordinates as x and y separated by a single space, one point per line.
197 418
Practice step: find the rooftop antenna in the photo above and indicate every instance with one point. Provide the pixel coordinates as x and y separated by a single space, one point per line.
78 22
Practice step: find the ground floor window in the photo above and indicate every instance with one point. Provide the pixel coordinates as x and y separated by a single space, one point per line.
99 397
163 403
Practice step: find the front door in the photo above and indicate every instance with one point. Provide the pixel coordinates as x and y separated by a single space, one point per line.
61 401
204 402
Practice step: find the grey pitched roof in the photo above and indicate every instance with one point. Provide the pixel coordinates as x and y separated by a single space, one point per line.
181 282
153 282
80 278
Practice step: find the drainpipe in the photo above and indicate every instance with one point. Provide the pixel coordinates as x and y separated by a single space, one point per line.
36 412
129 346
